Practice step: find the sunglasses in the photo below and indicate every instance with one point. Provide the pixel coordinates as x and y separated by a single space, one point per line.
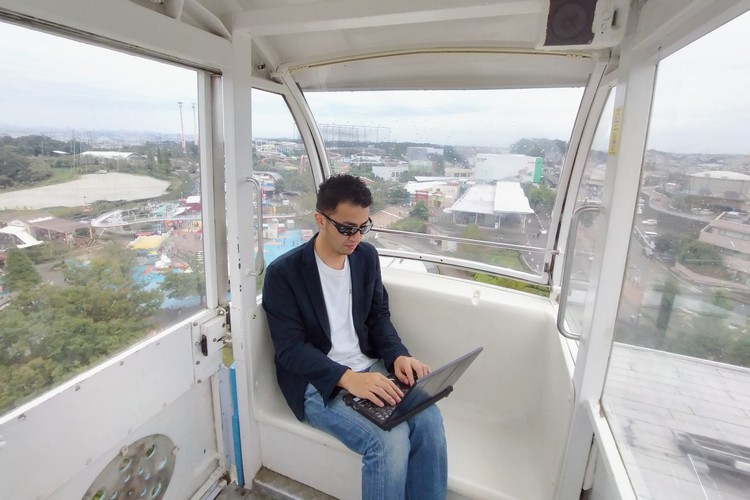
345 230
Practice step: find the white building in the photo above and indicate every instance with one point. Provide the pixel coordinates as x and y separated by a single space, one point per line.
495 167
389 172
112 155
485 204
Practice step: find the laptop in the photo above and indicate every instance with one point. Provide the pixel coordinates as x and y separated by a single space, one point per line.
425 391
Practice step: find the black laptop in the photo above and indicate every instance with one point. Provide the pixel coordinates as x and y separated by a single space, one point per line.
425 391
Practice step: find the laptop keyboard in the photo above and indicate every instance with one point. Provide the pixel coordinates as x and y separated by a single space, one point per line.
382 413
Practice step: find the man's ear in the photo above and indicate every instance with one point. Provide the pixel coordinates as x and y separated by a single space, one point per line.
319 220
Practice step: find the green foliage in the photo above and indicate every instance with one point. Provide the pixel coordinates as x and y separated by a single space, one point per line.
180 185
472 232
454 157
412 224
52 332
34 145
420 211
721 300
46 252
298 183
698 253
397 195
665 244
14 167
405 177
191 282
668 294
364 170
512 284
19 272
540 196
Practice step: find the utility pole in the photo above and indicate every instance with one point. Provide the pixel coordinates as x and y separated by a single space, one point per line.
196 136
182 129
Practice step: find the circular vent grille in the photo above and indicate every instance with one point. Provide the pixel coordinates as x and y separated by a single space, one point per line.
141 470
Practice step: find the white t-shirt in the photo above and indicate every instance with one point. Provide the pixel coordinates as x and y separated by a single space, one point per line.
337 293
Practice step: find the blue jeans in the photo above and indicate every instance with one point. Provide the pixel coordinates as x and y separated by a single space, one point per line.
409 461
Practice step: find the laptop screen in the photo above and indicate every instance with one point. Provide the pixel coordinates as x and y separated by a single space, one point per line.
435 383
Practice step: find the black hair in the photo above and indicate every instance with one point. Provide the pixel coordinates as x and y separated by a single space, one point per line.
342 188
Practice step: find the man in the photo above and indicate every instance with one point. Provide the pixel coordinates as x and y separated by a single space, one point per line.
329 319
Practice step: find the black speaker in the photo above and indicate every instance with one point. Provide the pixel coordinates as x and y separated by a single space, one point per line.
569 22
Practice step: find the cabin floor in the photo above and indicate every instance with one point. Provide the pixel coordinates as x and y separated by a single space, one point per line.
269 485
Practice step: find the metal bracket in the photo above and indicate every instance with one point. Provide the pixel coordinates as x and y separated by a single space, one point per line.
209 338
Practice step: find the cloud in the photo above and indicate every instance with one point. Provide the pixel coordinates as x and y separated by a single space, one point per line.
701 98
51 81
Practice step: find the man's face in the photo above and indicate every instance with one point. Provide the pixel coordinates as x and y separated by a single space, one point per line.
345 214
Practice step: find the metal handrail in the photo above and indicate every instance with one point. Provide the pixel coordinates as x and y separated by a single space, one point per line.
467 265
484 243
259 193
568 267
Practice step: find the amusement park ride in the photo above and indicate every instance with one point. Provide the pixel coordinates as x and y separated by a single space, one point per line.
615 362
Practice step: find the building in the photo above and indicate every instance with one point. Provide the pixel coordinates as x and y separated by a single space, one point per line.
435 193
112 155
16 237
719 188
423 158
459 172
390 172
507 167
486 204
731 232
44 227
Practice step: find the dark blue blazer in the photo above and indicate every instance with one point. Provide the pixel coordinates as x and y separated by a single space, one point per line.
297 318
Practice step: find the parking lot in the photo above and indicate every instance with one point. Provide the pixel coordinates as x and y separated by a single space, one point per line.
111 186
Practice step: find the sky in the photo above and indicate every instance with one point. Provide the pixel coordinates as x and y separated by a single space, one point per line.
700 107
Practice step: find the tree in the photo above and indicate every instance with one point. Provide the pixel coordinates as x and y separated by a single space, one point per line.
190 283
49 332
397 194
20 273
363 170
540 196
671 289
420 211
13 165
698 253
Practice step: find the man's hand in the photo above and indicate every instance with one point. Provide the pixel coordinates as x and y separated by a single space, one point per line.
406 367
371 385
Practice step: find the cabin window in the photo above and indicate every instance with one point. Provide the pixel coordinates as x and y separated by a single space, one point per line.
101 237
281 163
588 223
676 394
478 166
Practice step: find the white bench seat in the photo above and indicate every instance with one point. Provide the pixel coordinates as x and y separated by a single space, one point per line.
506 421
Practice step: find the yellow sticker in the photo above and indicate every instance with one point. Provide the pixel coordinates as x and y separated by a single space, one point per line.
614 135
